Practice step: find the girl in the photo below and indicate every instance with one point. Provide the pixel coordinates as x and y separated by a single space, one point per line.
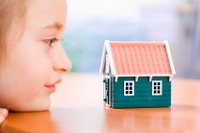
31 53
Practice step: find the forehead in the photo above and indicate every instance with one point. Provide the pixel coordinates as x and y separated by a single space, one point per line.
46 13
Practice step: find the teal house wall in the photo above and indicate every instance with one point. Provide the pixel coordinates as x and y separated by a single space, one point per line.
142 93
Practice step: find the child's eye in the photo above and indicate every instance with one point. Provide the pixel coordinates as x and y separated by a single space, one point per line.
50 41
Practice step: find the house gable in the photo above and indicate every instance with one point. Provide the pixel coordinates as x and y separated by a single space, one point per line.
107 51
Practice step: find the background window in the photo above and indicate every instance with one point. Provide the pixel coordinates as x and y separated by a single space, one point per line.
157 88
128 88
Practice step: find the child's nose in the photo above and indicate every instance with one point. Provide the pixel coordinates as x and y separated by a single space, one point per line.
61 61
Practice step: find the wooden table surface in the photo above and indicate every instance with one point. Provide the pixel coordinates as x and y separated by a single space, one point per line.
77 107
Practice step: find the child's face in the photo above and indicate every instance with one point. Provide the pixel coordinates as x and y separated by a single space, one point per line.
33 66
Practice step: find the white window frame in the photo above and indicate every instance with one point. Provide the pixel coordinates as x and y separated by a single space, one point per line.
155 88
107 64
129 88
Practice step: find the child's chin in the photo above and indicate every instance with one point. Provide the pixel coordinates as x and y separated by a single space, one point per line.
32 107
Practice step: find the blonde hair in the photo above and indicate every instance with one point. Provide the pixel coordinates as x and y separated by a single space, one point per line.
12 16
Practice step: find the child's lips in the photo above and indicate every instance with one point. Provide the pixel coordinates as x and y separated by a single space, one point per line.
51 87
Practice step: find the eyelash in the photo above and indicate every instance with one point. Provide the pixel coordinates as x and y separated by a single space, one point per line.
50 41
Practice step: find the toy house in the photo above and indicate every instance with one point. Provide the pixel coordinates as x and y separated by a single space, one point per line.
137 74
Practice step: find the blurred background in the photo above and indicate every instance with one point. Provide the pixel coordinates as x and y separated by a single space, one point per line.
90 22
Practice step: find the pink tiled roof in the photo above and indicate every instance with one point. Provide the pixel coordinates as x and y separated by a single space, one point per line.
140 58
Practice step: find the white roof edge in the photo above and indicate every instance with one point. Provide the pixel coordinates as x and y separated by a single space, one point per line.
139 41
110 55
103 57
144 75
170 57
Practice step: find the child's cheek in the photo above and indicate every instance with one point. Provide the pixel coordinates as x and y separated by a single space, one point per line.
30 90
36 76
27 77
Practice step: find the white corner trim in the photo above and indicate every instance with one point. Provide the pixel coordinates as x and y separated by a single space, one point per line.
150 78
170 78
110 55
116 78
103 59
136 78
170 57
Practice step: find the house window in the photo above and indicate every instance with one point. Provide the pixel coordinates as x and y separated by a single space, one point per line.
107 64
157 88
128 88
